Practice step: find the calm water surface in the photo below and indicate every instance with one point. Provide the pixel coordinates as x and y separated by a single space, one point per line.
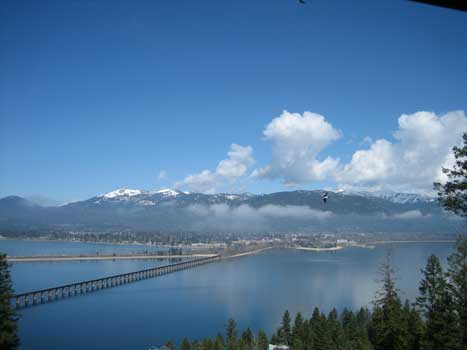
255 290
15 247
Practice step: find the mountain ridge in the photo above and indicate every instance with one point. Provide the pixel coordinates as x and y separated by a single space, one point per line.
286 211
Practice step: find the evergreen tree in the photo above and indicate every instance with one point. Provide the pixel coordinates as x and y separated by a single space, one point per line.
363 317
286 331
276 339
415 327
335 330
355 330
298 330
262 341
309 335
321 334
438 309
170 345
388 329
457 273
248 339
219 342
349 327
8 319
231 334
196 345
185 344
207 343
240 344
453 194
297 344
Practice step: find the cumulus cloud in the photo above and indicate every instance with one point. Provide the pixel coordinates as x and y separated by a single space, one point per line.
296 142
411 163
228 170
205 181
240 159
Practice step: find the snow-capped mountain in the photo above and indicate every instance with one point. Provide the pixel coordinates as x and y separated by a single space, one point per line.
168 192
147 198
395 197
171 209
137 197
121 192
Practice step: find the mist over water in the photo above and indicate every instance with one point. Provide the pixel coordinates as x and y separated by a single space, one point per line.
255 290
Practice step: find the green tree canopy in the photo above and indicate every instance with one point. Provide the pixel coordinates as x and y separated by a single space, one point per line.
231 334
457 273
388 326
170 345
186 345
9 339
452 195
219 342
207 343
438 308
248 339
262 342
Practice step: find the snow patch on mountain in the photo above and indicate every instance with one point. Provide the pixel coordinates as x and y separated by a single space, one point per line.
232 196
146 202
121 192
395 197
168 192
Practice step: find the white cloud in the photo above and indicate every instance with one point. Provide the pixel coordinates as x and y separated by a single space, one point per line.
413 161
240 159
293 211
246 212
205 181
410 162
228 171
411 214
296 142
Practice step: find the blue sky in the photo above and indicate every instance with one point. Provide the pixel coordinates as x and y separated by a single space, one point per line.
101 95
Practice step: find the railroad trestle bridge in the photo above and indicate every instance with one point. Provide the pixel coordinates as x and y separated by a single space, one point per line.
80 288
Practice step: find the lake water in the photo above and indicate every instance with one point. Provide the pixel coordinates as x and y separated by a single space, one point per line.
255 290
15 247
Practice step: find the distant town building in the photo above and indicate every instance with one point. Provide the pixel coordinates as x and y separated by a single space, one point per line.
278 347
163 347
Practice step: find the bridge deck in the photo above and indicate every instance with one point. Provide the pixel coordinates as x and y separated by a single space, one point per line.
68 290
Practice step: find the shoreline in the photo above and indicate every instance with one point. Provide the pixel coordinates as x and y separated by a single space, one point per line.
412 241
330 249
101 257
51 258
98 242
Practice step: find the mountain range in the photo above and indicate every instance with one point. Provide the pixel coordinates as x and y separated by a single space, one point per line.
292 211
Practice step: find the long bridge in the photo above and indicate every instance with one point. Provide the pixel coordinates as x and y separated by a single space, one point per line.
80 288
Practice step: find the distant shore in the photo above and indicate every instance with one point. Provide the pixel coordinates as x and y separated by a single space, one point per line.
134 243
412 241
102 257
